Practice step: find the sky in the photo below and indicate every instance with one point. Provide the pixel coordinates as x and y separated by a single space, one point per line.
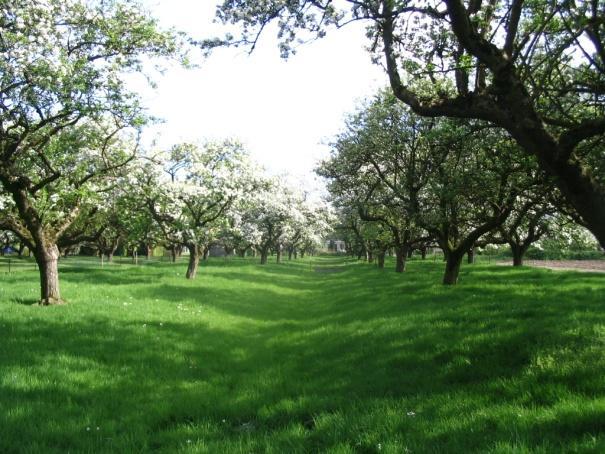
283 111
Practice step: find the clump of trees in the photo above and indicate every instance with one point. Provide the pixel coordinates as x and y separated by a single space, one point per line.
403 182
71 168
535 70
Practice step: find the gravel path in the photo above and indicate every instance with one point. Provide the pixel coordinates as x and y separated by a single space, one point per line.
596 266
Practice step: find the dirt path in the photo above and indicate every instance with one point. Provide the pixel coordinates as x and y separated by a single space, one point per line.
596 266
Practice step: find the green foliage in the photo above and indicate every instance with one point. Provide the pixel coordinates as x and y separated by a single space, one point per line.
286 359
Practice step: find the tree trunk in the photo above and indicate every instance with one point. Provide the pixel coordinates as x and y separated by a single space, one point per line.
381 256
206 254
278 254
452 268
264 254
109 256
518 251
173 254
149 251
302 254
21 248
410 252
194 260
401 254
290 254
423 252
471 255
47 257
370 256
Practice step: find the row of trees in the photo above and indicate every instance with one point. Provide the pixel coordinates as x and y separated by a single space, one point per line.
71 171
407 182
535 70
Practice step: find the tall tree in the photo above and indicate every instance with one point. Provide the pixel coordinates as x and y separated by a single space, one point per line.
535 69
192 190
61 66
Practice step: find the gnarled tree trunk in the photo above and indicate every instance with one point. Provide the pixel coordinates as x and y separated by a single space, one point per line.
471 255
264 254
47 256
518 251
381 257
194 260
452 268
401 255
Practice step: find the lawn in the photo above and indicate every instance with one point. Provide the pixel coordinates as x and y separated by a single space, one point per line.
328 356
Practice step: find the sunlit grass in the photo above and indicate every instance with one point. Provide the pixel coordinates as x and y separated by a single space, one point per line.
283 358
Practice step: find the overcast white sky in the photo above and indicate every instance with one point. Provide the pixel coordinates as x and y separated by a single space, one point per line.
281 110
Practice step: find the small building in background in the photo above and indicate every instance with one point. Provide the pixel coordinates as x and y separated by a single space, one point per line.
337 246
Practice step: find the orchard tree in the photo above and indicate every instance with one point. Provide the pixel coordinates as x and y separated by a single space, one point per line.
56 191
270 213
383 156
535 69
193 188
63 107
532 218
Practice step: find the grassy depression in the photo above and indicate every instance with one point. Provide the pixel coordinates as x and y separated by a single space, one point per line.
328 356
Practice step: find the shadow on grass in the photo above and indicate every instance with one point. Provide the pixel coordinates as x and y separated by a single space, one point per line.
24 301
335 355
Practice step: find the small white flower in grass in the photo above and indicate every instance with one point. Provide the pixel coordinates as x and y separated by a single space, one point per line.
411 413
379 446
224 420
98 428
188 441
88 429
161 324
144 325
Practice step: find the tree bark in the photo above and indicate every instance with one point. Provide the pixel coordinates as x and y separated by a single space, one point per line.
370 256
149 251
278 254
302 254
381 257
173 254
452 268
264 254
47 257
518 251
401 255
423 252
471 255
194 260
290 253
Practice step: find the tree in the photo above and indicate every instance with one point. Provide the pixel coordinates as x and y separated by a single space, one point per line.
53 211
384 150
535 69
272 217
415 175
190 206
63 109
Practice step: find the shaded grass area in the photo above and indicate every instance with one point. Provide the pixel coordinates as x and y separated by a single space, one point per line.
298 358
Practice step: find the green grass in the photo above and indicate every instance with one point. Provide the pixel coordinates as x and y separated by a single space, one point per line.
285 359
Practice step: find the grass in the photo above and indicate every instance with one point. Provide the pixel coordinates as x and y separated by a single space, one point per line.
283 358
